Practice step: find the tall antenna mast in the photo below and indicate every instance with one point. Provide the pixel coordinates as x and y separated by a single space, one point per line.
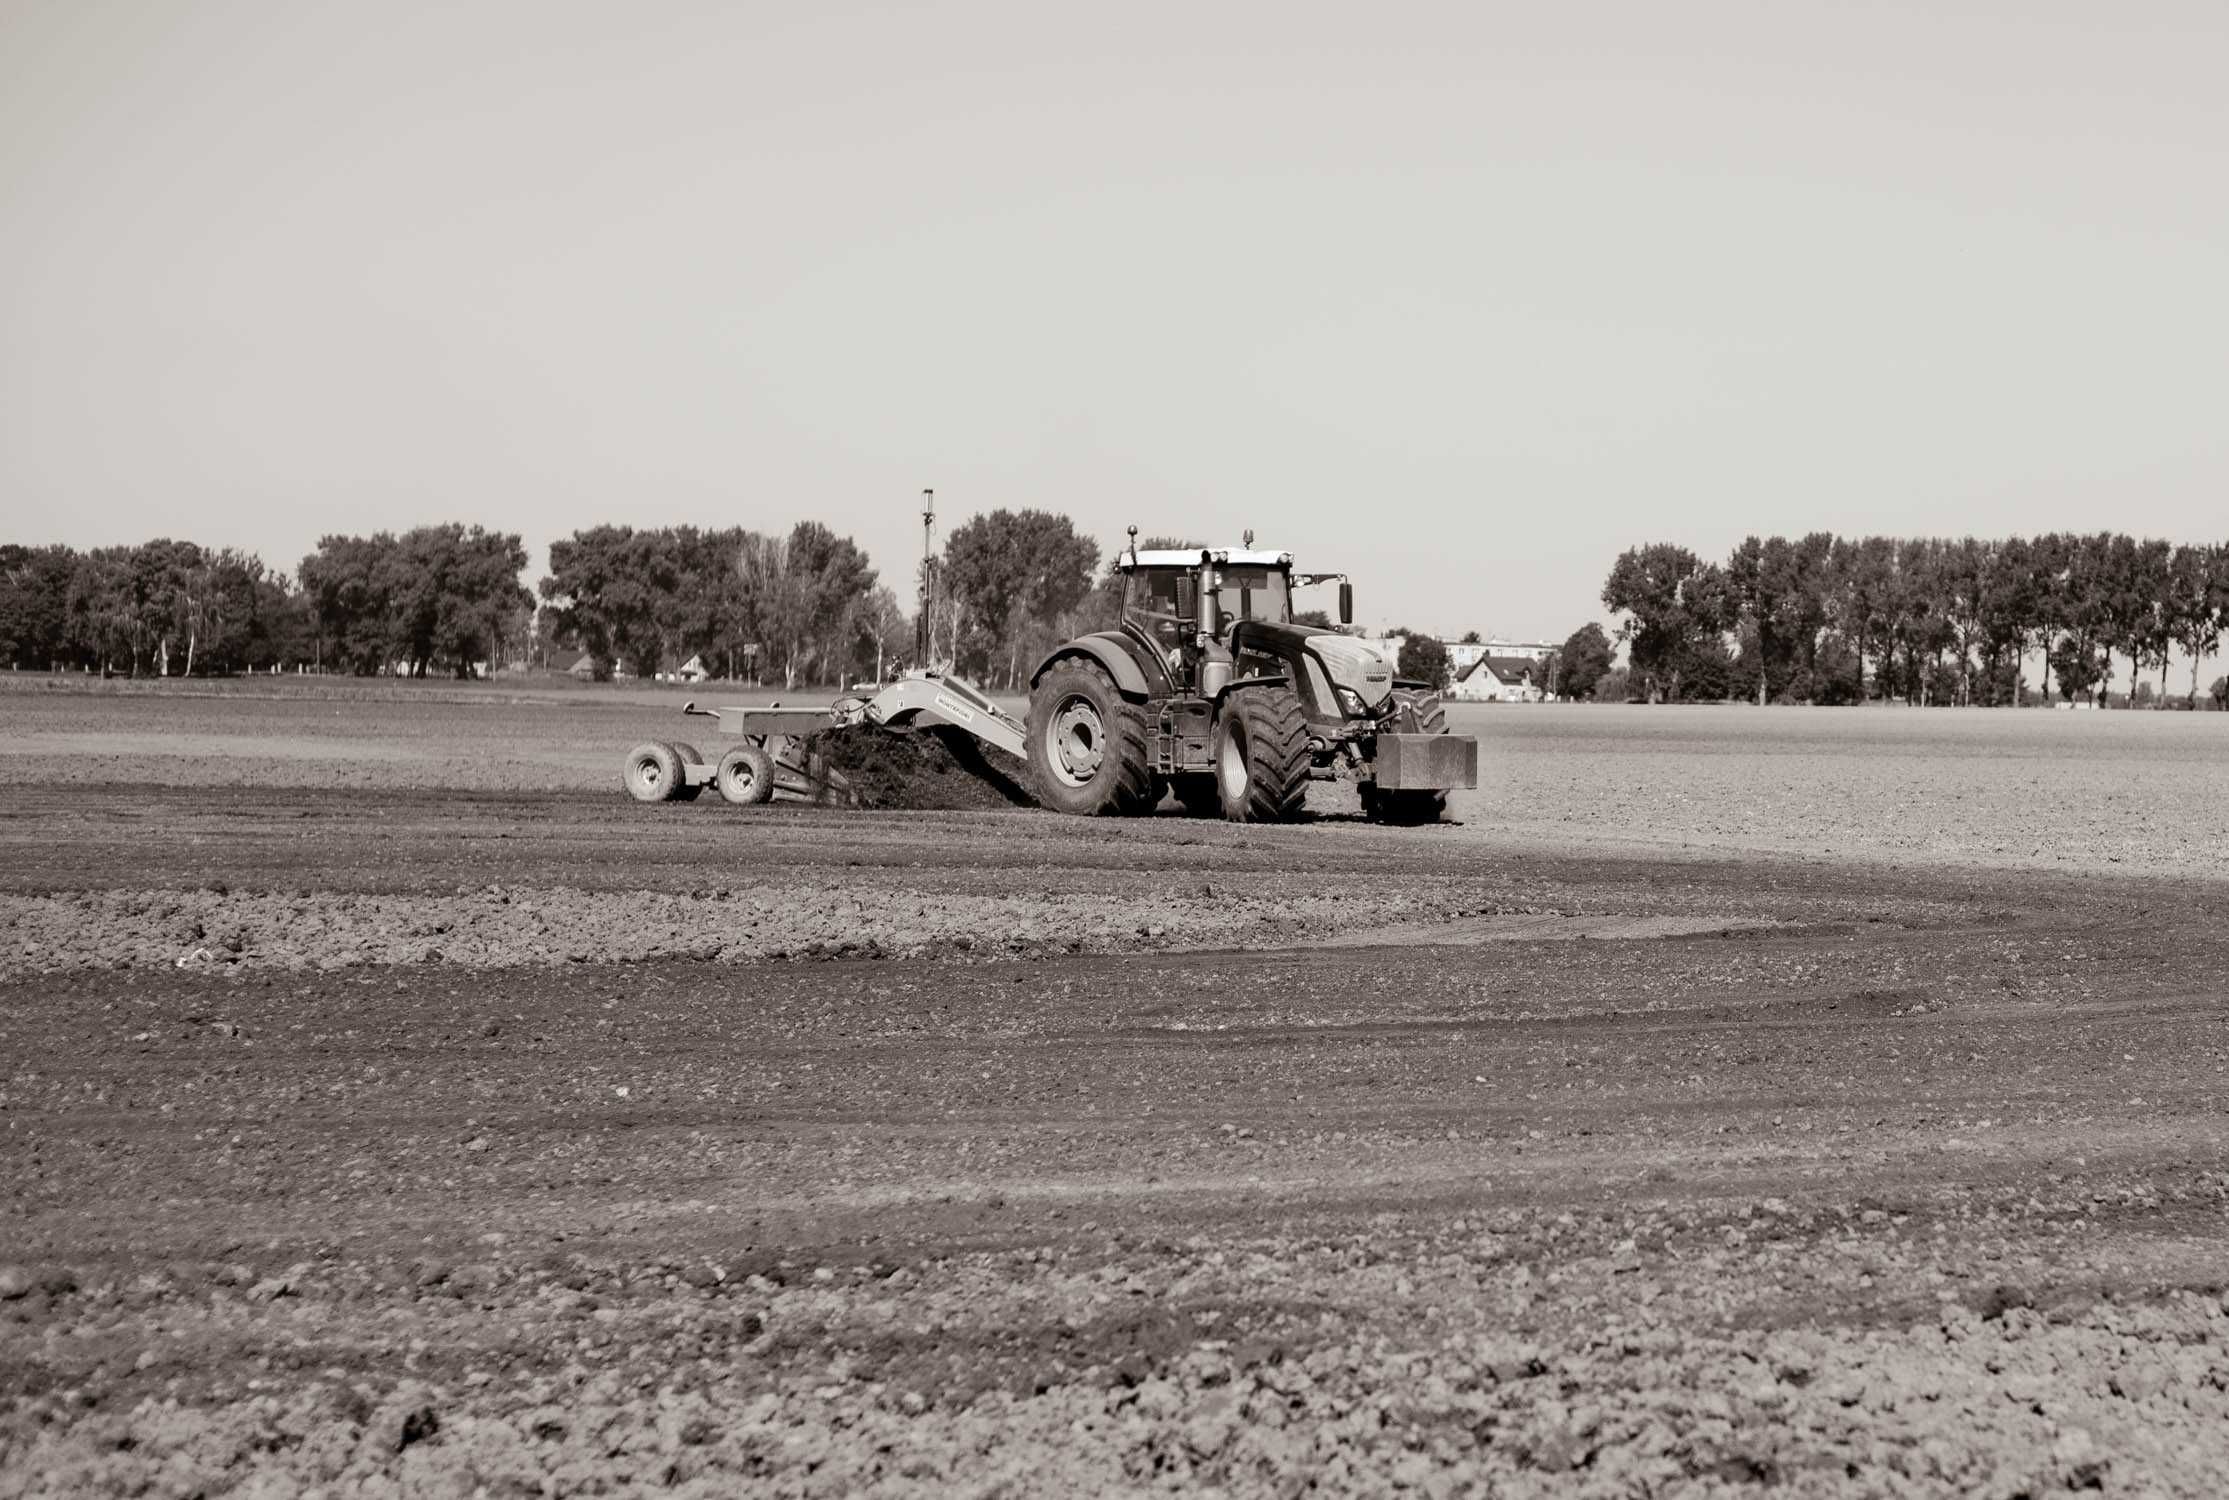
924 634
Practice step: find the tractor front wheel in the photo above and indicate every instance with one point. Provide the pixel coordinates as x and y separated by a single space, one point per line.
1088 745
1425 707
1424 713
1261 755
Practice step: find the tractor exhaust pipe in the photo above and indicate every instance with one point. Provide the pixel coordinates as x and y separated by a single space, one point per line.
1215 662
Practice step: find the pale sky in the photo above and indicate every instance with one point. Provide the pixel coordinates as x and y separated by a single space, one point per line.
1461 298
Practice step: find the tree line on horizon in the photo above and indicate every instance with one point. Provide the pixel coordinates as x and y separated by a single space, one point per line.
808 606
155 607
1828 619
805 605
1818 619
435 598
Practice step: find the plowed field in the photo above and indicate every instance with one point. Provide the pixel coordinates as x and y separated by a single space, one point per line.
1836 1103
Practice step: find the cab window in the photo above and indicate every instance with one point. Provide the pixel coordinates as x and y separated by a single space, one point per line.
1162 593
1254 594
1163 601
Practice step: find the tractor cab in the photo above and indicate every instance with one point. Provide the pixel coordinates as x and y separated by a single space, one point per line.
1211 615
1168 585
1164 589
1186 598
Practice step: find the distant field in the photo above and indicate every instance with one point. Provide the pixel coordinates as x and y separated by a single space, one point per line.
2131 791
2109 791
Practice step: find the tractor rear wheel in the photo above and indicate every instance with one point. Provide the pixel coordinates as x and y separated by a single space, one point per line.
1261 754
1088 744
745 776
654 773
1201 797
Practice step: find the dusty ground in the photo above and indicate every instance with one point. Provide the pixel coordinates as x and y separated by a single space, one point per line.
371 1137
2027 790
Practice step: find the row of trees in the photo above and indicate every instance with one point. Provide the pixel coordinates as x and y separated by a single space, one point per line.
1006 586
1819 618
445 599
1833 620
802 605
436 598
160 607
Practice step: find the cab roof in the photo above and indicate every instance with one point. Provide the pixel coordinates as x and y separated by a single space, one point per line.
1192 557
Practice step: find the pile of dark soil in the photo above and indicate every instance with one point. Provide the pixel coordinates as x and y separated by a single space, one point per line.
938 767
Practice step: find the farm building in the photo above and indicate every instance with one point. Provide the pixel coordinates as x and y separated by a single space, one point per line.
1463 655
1489 671
585 668
1500 679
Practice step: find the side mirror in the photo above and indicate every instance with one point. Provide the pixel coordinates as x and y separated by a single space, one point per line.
1346 602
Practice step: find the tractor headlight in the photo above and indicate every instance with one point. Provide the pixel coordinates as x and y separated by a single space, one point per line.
1350 702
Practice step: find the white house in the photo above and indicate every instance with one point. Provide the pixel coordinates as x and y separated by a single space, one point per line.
1494 678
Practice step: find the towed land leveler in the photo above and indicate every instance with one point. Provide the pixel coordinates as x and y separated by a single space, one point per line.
1208 688
777 754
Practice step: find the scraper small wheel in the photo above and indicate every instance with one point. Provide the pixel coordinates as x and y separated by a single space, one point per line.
745 776
688 756
654 773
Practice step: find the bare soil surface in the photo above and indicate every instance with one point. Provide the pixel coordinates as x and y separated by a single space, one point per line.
400 1138
2029 789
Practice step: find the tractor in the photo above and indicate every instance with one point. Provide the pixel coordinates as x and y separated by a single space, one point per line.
1209 689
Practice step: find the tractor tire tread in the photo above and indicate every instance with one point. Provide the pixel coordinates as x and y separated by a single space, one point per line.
1276 733
1129 792
1431 710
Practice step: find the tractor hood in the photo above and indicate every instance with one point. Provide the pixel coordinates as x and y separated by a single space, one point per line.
1352 663
1348 662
